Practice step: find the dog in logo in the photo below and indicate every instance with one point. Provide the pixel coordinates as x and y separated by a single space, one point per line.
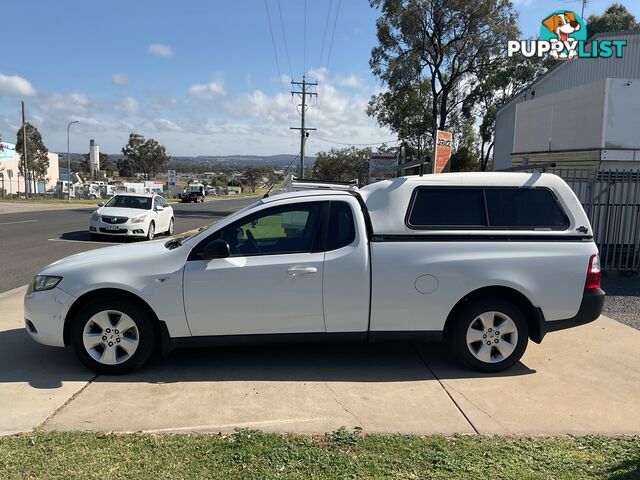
563 25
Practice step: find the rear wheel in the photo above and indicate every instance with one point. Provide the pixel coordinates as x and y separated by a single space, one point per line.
113 336
489 335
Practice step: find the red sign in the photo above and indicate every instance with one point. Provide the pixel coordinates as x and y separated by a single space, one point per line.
442 154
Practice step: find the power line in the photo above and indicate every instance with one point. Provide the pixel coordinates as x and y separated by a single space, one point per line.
275 54
324 35
284 36
304 50
355 144
326 69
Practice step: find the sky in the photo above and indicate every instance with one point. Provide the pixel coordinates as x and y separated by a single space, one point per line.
200 76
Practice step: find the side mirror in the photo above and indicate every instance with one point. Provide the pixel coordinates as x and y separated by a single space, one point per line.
159 208
216 249
101 204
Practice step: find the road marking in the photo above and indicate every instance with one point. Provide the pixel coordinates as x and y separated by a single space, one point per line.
106 244
21 221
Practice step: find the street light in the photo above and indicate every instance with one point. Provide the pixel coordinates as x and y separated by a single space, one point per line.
69 163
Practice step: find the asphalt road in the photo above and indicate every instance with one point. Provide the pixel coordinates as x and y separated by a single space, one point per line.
32 240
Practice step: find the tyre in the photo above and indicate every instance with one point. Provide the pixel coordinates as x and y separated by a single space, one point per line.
171 227
112 335
151 233
489 335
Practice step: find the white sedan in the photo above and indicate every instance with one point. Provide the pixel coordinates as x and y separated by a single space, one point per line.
141 215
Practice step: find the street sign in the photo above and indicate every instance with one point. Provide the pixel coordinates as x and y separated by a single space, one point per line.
171 178
382 166
442 153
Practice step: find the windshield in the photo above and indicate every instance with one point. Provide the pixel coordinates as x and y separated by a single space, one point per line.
130 201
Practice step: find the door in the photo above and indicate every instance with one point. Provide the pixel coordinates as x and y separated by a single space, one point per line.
271 283
161 218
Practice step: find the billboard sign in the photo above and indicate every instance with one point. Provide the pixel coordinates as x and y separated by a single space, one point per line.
171 178
442 155
382 166
7 151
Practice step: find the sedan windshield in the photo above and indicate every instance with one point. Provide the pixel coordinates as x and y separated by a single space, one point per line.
130 201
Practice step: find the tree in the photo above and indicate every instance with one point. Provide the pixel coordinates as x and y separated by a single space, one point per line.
142 156
442 42
406 111
37 154
252 176
615 18
342 165
491 89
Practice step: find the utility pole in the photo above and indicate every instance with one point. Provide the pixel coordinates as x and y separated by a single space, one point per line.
303 130
24 151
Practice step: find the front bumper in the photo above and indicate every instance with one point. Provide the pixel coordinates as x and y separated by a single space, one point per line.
119 230
590 309
44 314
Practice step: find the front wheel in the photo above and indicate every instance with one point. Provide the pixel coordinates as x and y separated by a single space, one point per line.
171 227
489 335
113 336
151 233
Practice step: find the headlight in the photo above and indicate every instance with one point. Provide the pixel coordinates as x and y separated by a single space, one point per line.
95 217
138 219
41 283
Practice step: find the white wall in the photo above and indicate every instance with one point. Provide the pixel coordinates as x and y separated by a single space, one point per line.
622 129
568 120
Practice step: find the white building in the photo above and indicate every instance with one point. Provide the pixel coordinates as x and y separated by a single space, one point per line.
13 182
582 114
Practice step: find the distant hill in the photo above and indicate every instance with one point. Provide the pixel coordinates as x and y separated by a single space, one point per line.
281 160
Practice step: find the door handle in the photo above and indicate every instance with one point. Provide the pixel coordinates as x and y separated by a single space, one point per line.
300 270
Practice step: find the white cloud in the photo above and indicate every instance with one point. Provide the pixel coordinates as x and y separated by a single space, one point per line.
351 81
318 74
120 79
206 91
128 105
164 124
161 50
15 86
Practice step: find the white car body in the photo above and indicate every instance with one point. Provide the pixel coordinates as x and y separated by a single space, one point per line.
391 281
132 222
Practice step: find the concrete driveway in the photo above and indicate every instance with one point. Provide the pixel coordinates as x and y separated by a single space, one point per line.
583 380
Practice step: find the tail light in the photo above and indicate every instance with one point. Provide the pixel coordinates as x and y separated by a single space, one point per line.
593 273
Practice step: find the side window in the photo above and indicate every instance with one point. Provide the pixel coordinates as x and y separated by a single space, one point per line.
287 229
341 230
156 201
163 202
447 207
524 208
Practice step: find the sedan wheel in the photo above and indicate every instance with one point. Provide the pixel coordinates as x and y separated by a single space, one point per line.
151 233
171 226
113 335
489 335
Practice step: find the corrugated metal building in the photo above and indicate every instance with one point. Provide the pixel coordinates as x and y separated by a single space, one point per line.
585 113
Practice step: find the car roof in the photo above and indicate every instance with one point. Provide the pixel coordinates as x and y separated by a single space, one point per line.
305 193
132 194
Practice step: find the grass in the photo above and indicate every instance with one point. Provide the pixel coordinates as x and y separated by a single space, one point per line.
53 201
340 454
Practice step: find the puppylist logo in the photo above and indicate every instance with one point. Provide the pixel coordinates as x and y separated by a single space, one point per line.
563 35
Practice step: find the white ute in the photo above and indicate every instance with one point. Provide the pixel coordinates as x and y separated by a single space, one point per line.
485 261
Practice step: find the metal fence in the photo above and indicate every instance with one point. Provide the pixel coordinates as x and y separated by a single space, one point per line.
611 199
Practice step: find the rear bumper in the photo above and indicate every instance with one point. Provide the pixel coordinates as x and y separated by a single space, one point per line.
590 309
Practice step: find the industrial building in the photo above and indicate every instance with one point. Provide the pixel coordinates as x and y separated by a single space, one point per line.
585 113
12 182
